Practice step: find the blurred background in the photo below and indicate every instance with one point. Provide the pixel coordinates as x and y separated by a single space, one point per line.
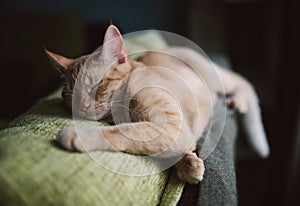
258 38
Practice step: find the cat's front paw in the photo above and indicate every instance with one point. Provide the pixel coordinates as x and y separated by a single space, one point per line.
82 140
190 168
68 138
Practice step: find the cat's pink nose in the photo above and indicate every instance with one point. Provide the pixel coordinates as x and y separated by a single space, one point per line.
86 106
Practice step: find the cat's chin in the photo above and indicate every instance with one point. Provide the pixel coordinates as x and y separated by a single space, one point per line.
95 116
82 115
89 117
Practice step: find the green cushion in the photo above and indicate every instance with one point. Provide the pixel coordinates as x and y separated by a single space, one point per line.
35 170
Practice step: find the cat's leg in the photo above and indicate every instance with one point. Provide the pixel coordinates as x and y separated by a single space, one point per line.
243 98
165 134
190 168
239 92
145 138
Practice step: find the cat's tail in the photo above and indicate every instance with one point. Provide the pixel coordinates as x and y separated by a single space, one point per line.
253 125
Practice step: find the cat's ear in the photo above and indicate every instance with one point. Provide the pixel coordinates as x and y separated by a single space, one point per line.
59 61
113 45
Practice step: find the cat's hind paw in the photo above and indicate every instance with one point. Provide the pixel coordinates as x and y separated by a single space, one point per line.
190 168
237 101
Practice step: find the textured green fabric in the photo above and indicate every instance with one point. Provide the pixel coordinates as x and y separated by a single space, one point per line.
138 43
35 170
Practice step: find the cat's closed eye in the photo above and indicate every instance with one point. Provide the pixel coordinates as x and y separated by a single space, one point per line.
95 87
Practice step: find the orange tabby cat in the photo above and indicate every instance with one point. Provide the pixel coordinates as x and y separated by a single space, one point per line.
157 106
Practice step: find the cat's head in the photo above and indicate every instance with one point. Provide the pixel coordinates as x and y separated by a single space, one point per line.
91 80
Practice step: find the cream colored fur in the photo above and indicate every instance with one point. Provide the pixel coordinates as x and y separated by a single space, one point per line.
174 92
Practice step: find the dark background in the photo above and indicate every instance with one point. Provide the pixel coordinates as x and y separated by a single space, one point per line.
259 37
